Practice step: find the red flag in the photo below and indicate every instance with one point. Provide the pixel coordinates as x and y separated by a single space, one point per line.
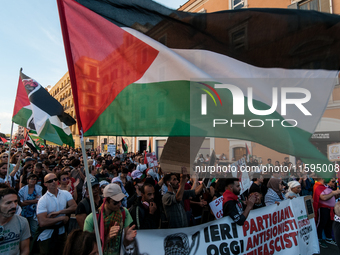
4 140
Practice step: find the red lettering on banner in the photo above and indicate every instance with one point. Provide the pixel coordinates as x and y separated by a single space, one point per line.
265 217
287 240
271 246
245 227
274 218
277 248
293 236
249 244
252 226
259 223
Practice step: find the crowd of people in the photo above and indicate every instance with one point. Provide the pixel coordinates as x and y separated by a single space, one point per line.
49 189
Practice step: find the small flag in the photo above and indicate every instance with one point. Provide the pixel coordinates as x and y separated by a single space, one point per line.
149 148
124 145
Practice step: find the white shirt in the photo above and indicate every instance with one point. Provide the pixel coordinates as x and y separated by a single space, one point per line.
50 203
10 180
141 168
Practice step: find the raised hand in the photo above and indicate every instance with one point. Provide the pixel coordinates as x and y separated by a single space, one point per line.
152 208
114 230
131 234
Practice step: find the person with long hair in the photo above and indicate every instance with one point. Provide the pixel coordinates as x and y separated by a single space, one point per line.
81 243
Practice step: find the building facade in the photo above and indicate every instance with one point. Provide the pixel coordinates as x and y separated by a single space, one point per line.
328 129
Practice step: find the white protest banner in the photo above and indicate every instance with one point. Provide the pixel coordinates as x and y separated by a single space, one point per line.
241 173
275 229
216 207
111 148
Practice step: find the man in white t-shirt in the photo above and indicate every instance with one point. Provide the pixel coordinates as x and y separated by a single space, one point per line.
51 212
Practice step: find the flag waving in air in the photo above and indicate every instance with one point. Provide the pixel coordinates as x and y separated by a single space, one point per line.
140 69
35 109
124 145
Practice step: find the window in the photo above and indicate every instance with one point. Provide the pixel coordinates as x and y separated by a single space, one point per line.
311 5
237 4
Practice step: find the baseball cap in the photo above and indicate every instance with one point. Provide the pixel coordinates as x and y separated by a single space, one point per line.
114 192
29 159
93 180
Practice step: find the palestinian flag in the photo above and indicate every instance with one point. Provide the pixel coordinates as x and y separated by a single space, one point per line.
31 144
36 110
4 140
140 69
149 147
124 146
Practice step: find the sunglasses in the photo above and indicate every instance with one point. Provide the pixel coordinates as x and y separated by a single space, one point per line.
65 179
117 202
52 180
4 156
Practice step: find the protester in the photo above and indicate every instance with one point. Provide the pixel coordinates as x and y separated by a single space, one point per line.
51 212
323 203
29 196
274 194
14 230
81 242
145 213
84 207
173 199
113 219
232 206
294 188
336 224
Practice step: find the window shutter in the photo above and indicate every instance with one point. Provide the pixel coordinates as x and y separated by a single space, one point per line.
324 6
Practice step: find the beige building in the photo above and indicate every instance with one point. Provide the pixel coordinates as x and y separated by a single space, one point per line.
328 129
62 92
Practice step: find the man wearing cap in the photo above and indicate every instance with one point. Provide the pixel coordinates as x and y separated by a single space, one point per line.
51 212
84 207
113 218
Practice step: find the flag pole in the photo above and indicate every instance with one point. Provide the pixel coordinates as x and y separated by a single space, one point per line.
89 188
9 153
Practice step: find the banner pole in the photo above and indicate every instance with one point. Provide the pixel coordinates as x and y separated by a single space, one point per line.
9 153
89 188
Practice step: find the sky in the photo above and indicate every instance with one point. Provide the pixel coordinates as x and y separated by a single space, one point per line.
31 39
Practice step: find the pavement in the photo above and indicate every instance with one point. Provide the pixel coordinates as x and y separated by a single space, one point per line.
331 250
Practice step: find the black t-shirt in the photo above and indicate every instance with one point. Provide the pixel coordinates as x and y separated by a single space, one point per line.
84 206
234 209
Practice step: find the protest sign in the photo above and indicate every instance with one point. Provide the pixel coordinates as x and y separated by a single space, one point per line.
216 207
238 171
111 149
333 152
275 229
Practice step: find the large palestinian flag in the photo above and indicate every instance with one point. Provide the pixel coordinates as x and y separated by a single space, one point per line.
140 69
35 109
